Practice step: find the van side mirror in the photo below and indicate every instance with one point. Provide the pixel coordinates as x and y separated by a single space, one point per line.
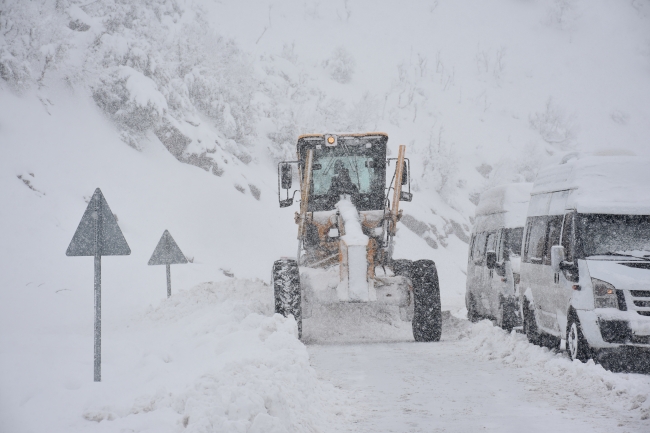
491 259
557 257
405 174
287 180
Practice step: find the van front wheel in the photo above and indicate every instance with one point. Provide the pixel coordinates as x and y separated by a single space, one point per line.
472 313
530 326
506 315
576 343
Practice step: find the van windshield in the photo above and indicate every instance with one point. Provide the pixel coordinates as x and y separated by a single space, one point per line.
605 234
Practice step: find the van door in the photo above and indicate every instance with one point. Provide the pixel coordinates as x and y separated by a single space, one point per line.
470 265
489 285
551 279
479 272
535 280
499 277
475 271
567 278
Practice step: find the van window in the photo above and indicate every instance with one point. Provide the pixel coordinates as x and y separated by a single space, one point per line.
501 236
553 238
492 242
513 238
479 248
567 236
536 234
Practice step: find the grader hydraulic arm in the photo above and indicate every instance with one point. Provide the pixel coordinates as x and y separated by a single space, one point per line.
397 190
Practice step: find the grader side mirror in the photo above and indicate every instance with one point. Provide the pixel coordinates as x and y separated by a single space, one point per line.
405 196
286 203
405 175
286 176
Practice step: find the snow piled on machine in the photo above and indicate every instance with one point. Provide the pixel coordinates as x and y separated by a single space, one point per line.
353 231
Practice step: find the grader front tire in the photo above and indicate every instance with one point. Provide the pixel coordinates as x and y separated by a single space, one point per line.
427 318
286 288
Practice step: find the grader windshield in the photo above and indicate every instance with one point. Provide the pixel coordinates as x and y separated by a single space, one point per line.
354 165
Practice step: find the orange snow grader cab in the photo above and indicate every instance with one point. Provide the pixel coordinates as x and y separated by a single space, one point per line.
346 228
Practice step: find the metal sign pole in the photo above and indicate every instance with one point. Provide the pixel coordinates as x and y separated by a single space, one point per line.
169 282
98 293
98 318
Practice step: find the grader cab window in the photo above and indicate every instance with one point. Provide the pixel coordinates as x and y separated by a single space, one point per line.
349 175
357 169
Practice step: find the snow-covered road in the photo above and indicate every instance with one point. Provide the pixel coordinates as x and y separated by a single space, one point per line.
462 384
215 358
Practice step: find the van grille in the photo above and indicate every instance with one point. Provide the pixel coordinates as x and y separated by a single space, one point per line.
641 301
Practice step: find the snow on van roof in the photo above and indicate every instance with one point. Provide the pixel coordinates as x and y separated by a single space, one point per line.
503 206
600 184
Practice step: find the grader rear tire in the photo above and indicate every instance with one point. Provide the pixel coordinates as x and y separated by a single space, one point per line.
427 317
286 287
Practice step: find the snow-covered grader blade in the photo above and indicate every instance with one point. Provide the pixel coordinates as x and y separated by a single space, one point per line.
346 229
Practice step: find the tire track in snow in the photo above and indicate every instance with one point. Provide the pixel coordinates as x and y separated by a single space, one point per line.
477 378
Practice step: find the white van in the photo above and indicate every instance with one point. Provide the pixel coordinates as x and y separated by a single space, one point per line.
585 271
494 255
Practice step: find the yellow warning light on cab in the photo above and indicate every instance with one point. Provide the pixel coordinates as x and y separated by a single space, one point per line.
331 140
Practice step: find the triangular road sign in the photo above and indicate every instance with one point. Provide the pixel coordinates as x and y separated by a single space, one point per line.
98 232
167 252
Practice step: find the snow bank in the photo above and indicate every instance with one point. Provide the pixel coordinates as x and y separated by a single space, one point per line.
213 358
559 378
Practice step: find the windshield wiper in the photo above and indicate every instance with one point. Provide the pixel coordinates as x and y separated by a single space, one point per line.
352 166
329 166
611 253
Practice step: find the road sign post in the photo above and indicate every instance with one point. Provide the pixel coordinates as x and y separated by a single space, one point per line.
167 253
98 235
98 319
169 281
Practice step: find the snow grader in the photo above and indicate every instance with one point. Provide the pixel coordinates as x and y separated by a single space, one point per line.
346 229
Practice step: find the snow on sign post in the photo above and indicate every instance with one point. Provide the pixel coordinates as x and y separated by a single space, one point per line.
167 253
98 235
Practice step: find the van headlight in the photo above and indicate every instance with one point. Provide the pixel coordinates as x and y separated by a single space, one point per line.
604 294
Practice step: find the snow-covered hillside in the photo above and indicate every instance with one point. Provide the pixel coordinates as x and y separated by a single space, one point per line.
481 93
